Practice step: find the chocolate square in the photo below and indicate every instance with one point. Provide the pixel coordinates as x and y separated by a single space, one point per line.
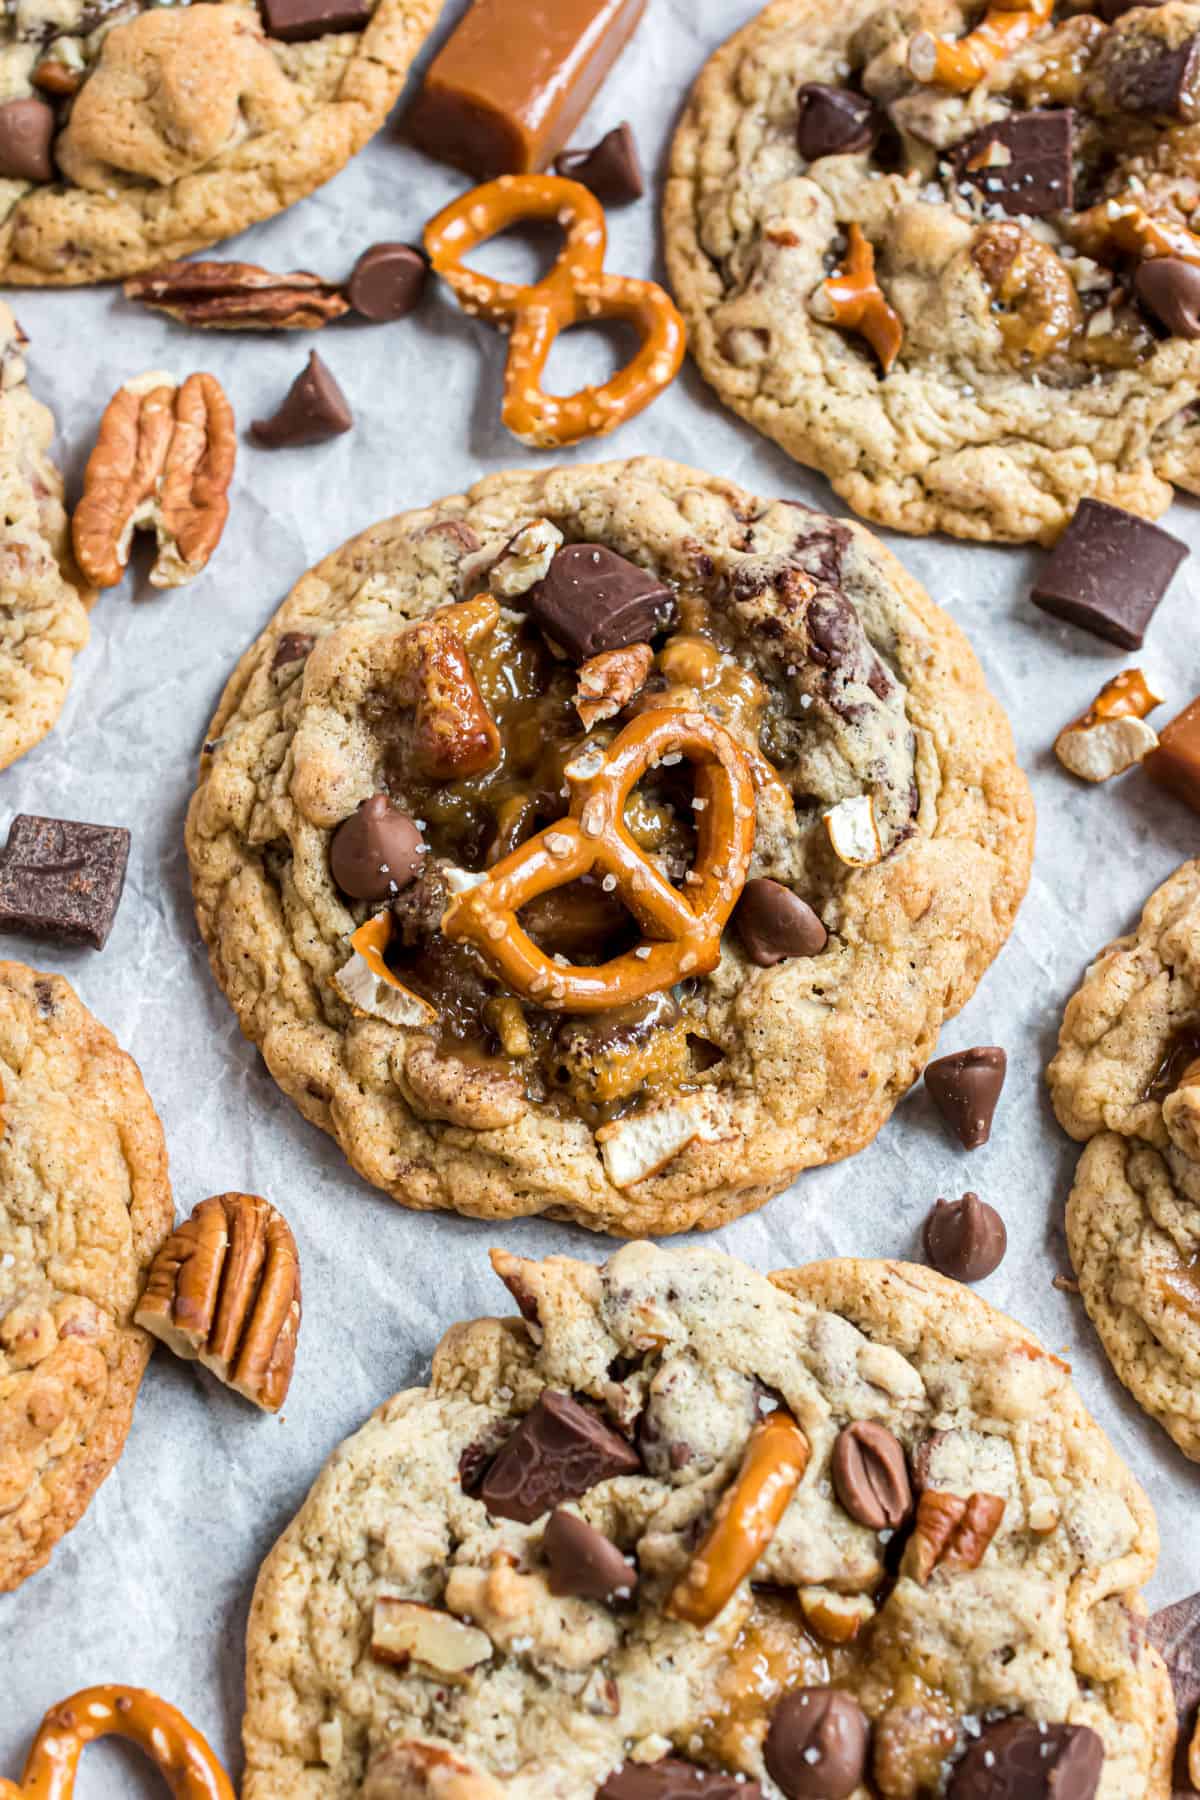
1143 75
296 21
62 879
1023 164
1108 573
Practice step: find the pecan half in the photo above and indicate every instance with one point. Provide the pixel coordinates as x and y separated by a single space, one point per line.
224 1290
609 681
238 296
950 1533
163 460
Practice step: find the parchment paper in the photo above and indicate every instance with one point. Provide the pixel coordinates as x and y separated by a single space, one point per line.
153 1586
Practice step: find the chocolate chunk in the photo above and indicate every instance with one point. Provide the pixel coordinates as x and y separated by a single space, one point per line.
965 1238
1175 1634
584 1562
1020 1759
965 1088
62 879
1108 572
26 133
292 647
674 1779
870 1476
816 1746
832 121
296 21
314 408
773 924
1175 763
558 1451
1022 165
387 281
1169 288
591 600
376 851
1145 75
612 169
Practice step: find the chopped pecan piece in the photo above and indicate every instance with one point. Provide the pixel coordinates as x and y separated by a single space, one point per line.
454 734
52 76
238 296
609 681
404 1631
951 1533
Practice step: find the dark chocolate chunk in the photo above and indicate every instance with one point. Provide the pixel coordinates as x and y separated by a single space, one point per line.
1175 762
292 647
1023 164
314 408
26 133
832 121
1108 572
591 600
62 879
1020 1759
870 1475
1169 288
387 281
816 1746
674 1779
296 21
1144 75
965 1088
612 169
1175 1634
774 924
376 851
965 1238
583 1562
558 1451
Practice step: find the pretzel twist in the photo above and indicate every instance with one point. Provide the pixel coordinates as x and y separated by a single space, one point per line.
684 928
182 1755
576 290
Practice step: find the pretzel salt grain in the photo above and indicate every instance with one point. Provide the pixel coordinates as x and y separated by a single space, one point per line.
182 1755
962 64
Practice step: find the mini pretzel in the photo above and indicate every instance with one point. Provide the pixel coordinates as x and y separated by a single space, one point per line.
962 64
853 300
576 290
184 1758
685 927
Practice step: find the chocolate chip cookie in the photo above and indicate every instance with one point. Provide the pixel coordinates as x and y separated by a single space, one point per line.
84 1204
133 132
1126 1081
945 255
682 1530
605 841
43 619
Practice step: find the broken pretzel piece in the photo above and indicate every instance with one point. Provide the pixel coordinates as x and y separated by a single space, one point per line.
962 63
238 296
454 735
854 301
609 681
367 984
162 461
224 1290
950 1533
1112 735
853 832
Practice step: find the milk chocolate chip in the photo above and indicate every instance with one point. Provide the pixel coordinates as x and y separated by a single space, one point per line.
297 21
774 924
1169 288
583 1562
376 851
870 1476
965 1238
591 600
26 133
816 1746
314 408
832 121
292 647
965 1088
611 169
387 282
558 1451
1019 1759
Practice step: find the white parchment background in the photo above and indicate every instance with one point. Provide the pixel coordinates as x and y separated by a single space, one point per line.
153 1587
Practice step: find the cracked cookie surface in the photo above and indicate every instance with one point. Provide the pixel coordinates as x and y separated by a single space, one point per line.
836 678
682 1354
84 1204
1127 1082
1028 375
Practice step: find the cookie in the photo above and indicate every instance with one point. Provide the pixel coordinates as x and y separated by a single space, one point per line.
166 128
1124 1082
84 1204
871 187
805 720
548 1566
43 622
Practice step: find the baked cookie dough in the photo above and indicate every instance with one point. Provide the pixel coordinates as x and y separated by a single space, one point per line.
84 1204
163 128
848 710
43 603
1038 363
1126 1080
487 1522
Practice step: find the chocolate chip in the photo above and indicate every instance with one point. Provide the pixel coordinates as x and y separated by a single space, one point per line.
1020 1759
558 1451
1175 1634
674 1779
591 600
816 1746
292 647
870 1476
1108 573
1175 762
1169 288
1023 165
314 408
774 924
387 281
26 134
965 1238
832 121
583 1562
62 879
612 169
376 851
296 21
965 1088
1145 75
